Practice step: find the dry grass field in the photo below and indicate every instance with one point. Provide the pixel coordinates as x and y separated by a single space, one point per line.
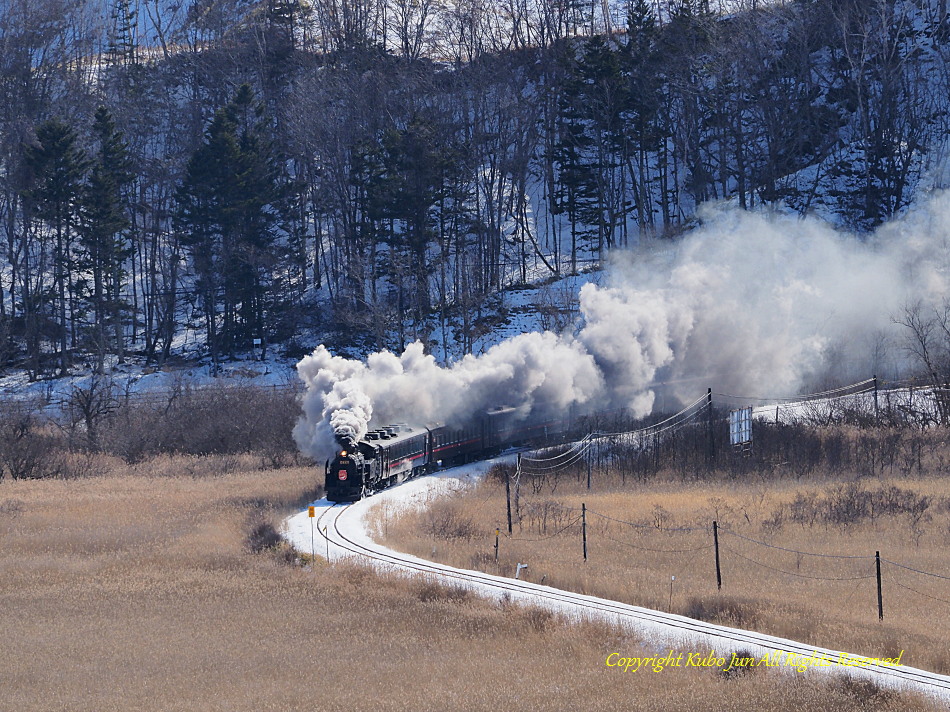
141 590
640 535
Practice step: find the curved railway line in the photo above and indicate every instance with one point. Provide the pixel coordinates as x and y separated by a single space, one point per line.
342 528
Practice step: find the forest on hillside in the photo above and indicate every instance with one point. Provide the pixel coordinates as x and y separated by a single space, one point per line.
256 171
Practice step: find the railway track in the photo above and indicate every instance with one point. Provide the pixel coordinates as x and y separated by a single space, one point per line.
343 533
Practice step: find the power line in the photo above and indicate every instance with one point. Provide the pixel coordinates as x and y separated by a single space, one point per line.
919 593
792 573
804 396
792 551
917 571
656 551
647 526
549 536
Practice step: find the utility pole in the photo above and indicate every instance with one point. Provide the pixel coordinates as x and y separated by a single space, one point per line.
877 414
716 547
508 496
584 528
880 593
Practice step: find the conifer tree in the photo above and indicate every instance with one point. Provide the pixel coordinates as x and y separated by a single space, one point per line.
58 166
260 204
122 40
228 215
102 234
203 219
644 99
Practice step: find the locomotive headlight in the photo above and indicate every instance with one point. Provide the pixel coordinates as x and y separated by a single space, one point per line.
342 453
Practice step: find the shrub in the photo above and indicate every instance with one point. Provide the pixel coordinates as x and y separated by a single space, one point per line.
725 610
866 693
445 521
29 447
228 420
428 591
735 672
851 503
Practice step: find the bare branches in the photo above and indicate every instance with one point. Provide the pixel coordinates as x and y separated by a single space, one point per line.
928 343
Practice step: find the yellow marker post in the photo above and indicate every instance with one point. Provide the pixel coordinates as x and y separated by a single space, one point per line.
312 512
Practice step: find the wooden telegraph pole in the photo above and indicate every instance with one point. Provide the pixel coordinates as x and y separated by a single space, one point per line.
584 528
508 496
716 547
880 593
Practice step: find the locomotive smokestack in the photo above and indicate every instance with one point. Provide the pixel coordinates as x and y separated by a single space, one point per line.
344 440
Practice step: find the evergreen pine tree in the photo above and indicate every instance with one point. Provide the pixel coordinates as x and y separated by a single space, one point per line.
228 214
576 180
644 100
58 166
122 41
259 206
203 218
102 234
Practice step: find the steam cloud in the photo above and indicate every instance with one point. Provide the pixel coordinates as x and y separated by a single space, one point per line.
750 303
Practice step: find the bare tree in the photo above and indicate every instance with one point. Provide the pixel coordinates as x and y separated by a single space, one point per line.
928 343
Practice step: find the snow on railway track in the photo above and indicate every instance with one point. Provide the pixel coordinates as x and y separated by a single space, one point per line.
344 531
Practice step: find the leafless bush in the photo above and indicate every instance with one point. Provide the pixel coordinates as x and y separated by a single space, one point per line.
428 591
851 503
538 619
662 518
499 473
263 538
725 610
29 448
546 515
445 521
733 672
88 405
803 510
212 421
557 306
11 508
866 694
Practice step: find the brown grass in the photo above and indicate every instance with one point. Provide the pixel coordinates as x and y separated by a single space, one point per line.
137 592
766 589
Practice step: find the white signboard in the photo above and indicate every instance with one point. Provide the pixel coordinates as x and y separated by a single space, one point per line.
740 426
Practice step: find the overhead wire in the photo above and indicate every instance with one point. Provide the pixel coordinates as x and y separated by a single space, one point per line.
583 446
791 551
919 593
549 536
638 525
801 396
916 571
657 551
580 443
792 573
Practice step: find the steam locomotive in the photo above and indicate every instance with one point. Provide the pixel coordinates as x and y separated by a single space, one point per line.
395 453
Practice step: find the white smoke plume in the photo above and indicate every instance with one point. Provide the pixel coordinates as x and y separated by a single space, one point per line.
750 303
